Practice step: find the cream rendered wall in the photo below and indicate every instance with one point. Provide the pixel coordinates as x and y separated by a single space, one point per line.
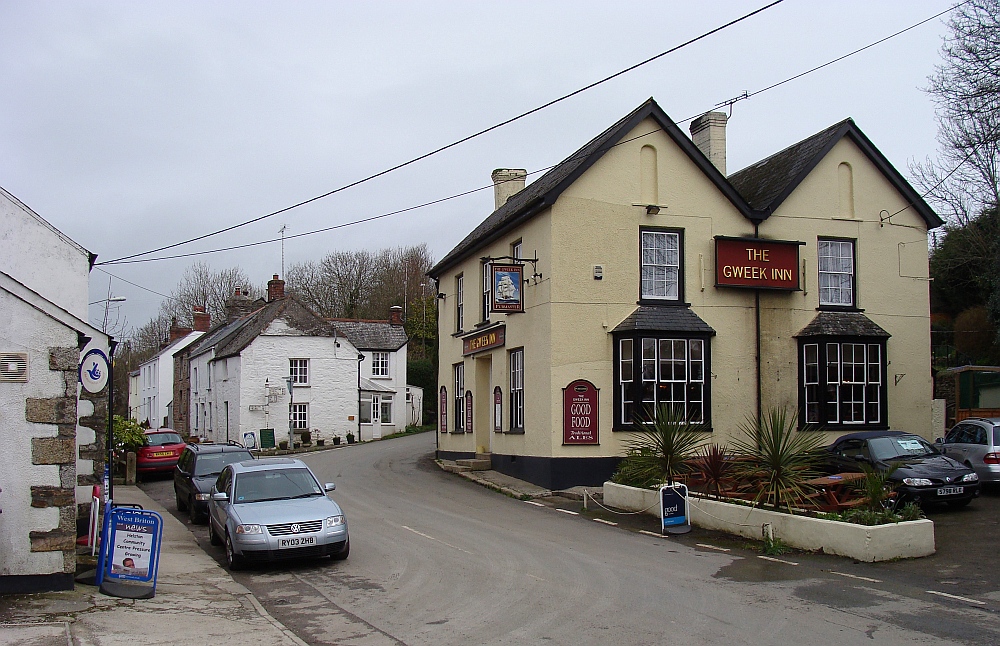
530 329
600 203
892 282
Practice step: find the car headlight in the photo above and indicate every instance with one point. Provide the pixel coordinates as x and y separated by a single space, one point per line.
201 496
249 529
970 477
917 482
334 521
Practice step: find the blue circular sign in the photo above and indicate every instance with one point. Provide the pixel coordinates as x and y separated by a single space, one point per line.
94 371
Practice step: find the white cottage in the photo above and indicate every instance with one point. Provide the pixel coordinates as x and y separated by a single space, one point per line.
155 379
52 435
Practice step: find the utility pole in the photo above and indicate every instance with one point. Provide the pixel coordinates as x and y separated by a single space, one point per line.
282 230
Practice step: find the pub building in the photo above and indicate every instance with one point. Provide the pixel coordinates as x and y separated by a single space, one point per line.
635 274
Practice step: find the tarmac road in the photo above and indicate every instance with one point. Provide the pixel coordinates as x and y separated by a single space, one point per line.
436 559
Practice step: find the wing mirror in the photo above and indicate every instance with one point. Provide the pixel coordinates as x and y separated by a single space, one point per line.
329 486
939 440
220 496
860 457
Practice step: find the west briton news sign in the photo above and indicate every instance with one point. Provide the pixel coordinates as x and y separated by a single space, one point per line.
756 263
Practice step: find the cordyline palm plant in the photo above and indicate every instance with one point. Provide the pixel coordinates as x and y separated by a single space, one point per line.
876 487
716 465
777 457
660 449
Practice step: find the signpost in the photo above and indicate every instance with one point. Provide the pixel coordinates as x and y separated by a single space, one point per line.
675 509
131 553
580 413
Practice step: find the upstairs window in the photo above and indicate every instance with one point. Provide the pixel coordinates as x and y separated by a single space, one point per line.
380 364
660 271
487 292
836 273
299 371
459 303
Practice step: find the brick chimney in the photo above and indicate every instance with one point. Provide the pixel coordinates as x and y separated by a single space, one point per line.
506 182
395 315
708 132
275 289
238 305
176 331
202 321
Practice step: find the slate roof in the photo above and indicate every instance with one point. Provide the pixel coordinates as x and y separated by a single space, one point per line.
842 324
372 335
544 191
664 319
232 338
767 183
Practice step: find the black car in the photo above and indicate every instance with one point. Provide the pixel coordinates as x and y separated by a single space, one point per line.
197 470
923 475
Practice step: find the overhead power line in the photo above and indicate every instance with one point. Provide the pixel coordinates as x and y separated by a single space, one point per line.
454 143
134 258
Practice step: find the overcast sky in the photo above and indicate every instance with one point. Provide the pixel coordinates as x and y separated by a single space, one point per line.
130 125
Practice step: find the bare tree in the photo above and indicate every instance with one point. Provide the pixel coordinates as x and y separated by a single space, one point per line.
205 288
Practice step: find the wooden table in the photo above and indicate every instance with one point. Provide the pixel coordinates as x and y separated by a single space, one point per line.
835 491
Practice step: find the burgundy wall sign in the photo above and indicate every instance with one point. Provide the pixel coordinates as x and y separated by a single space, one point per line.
468 411
756 263
497 409
443 410
580 413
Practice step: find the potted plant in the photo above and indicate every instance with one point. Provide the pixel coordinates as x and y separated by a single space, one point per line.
350 438
283 445
336 439
659 450
318 437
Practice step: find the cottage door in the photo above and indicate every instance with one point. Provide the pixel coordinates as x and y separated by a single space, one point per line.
376 416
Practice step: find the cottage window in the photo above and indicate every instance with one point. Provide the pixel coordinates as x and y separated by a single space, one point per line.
299 371
386 412
459 371
516 388
653 372
660 260
836 272
299 414
842 384
380 364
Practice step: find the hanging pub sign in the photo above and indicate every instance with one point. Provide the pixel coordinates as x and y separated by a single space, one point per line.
580 413
756 263
443 414
506 281
492 338
468 411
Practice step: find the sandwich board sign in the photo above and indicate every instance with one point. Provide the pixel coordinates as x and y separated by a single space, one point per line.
131 553
675 509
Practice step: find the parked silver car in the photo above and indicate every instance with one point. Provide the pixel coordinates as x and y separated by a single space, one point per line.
275 508
975 441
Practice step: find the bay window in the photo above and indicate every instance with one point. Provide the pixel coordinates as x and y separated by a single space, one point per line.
657 371
842 382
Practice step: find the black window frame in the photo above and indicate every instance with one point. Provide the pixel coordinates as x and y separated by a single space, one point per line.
823 384
646 300
838 307
635 388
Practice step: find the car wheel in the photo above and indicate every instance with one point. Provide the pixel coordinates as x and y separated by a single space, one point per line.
958 504
181 505
234 560
342 555
213 538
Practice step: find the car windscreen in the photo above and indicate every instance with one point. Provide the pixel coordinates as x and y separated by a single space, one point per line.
212 463
275 484
887 449
162 439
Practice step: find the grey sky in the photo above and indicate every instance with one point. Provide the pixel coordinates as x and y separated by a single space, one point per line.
129 125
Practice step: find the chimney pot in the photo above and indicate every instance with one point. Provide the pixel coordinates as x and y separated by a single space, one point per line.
708 132
202 321
395 315
507 182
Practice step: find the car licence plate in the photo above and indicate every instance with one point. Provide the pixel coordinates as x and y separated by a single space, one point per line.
163 454
950 491
298 541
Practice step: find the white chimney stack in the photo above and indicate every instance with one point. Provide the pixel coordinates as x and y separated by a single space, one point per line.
506 182
708 132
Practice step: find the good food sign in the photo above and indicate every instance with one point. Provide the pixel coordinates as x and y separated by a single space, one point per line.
580 413
757 264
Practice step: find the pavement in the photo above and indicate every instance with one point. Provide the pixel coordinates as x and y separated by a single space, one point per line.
196 602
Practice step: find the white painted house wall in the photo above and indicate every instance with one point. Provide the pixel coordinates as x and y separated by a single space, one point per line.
156 383
395 381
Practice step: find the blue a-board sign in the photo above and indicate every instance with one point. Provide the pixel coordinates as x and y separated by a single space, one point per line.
674 509
132 549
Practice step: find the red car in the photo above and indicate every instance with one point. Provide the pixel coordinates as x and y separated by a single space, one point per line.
159 455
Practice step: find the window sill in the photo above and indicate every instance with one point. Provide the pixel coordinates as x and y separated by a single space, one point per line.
838 308
654 302
514 431
456 432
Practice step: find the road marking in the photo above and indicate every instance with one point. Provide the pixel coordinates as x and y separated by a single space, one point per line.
566 511
712 547
855 576
956 597
454 547
653 534
536 504
606 522
536 577
768 558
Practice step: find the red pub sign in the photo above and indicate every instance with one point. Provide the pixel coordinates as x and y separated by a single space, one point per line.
580 413
756 263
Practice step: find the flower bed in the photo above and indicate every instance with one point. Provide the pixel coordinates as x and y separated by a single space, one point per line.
865 543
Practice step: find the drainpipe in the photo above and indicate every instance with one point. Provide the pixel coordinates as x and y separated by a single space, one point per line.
756 299
361 358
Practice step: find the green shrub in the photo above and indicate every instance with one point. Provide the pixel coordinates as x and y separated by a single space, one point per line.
128 435
660 449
